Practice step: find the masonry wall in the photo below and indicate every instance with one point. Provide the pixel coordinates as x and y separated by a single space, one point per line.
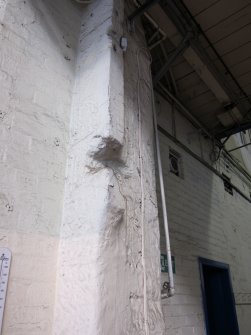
108 278
38 42
78 205
205 221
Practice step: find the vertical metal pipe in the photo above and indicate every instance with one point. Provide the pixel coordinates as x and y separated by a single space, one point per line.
163 201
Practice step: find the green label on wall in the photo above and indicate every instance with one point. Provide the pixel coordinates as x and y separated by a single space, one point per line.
164 263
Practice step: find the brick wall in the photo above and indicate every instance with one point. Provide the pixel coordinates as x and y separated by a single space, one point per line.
115 274
108 275
71 170
205 221
37 64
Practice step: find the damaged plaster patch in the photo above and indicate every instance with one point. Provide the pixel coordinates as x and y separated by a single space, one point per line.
57 142
116 207
5 203
109 149
2 115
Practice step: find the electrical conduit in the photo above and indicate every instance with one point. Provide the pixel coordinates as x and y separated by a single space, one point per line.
171 289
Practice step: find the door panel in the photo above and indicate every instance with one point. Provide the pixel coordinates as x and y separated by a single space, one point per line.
219 306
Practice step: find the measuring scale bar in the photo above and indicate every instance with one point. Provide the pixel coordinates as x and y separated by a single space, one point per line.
5 260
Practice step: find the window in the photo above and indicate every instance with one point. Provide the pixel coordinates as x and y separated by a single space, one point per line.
227 184
175 163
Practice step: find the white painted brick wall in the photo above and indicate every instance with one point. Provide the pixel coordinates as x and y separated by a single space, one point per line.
65 101
36 82
101 271
204 221
102 229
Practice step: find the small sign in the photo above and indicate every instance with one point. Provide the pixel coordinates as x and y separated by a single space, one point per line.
164 263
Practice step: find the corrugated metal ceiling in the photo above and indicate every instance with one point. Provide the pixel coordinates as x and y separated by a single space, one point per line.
227 23
227 26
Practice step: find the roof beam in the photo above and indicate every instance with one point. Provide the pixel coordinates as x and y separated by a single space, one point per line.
171 59
233 130
193 56
240 147
206 75
142 9
185 111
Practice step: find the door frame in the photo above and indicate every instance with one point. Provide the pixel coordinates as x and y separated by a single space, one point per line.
210 263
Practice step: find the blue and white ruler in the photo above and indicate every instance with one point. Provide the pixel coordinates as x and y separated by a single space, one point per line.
5 260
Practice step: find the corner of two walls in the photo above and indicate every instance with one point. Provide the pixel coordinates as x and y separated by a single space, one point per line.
108 276
37 52
108 272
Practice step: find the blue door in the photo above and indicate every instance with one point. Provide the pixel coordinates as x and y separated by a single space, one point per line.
218 298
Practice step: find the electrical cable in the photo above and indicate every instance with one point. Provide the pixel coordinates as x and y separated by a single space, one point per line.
171 289
146 323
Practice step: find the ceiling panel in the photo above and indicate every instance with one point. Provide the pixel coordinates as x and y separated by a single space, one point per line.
227 25
230 24
210 107
241 67
245 79
234 40
219 11
182 70
198 6
201 100
190 80
237 55
247 88
194 92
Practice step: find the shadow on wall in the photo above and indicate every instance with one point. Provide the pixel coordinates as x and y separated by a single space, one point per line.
36 90
39 51
204 221
49 23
